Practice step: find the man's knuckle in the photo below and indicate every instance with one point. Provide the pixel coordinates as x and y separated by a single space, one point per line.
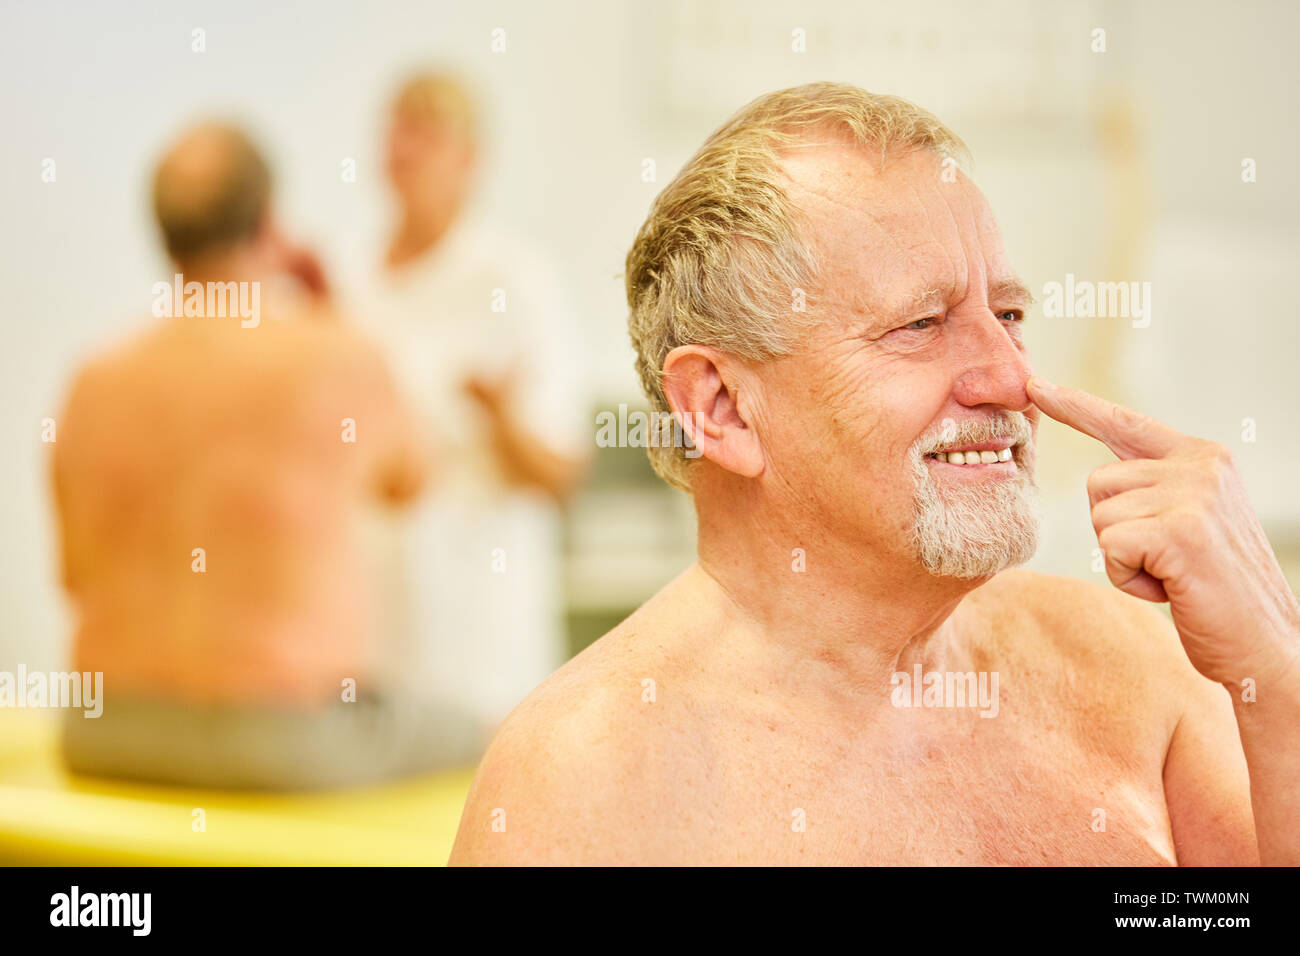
1129 419
1098 520
1218 467
1095 484
1185 524
1218 452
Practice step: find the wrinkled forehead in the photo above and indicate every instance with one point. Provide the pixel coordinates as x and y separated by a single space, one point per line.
880 228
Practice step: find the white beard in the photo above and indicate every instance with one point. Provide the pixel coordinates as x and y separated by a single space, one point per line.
975 530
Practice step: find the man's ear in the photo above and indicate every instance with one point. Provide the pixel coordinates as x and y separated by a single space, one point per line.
702 386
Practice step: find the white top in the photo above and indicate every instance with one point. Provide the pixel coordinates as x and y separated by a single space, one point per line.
475 603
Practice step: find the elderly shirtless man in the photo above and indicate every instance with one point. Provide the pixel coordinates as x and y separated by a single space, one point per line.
864 483
212 475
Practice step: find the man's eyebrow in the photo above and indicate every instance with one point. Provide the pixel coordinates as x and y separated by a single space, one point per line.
922 298
1011 288
925 297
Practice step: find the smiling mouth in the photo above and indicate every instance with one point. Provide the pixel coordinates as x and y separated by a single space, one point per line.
985 453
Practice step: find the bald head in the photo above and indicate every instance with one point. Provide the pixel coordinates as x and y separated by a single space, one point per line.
210 191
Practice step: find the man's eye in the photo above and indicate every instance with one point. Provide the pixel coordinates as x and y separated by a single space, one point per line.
1012 315
920 325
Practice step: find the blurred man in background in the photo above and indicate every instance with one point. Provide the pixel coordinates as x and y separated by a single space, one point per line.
479 332
211 476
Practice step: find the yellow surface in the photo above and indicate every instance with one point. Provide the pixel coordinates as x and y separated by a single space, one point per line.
48 816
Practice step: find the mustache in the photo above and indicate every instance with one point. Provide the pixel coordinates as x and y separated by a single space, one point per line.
1009 424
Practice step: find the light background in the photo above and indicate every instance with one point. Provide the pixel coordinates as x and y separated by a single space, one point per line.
583 93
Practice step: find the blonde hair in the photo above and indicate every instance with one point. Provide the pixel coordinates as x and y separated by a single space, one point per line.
719 257
442 99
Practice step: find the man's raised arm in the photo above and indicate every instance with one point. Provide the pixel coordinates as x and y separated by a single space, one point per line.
1174 523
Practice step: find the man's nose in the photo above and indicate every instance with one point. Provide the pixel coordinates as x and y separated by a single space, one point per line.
993 366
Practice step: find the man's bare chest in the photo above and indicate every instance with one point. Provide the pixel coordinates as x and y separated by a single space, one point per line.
965 794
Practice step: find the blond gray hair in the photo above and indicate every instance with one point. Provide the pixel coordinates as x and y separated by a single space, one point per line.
719 257
440 98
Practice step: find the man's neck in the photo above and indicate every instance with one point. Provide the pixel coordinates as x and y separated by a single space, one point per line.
259 287
859 616
233 267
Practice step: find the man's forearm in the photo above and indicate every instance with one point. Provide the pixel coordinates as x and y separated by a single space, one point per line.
1270 736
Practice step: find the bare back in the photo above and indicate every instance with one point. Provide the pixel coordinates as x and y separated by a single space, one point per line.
209 493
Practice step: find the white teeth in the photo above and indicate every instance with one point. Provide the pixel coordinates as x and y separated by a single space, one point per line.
975 457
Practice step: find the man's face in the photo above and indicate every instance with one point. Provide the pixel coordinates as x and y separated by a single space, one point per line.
916 349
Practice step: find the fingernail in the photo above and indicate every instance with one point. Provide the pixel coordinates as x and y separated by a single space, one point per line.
1040 383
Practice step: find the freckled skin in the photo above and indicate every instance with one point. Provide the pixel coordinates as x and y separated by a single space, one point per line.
772 686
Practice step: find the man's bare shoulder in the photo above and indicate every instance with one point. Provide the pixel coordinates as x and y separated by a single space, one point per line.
320 333
1074 610
1106 639
96 386
569 764
608 681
